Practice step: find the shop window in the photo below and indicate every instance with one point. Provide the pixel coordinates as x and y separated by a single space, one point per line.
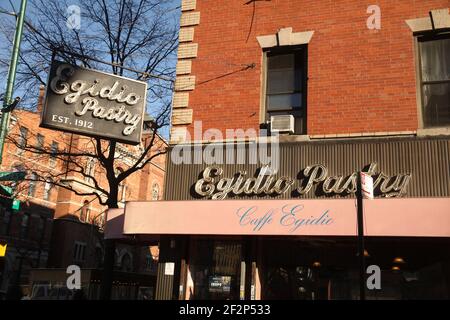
327 268
435 80
215 269
286 85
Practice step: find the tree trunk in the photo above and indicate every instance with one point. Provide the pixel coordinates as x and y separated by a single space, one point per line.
108 264
108 269
110 246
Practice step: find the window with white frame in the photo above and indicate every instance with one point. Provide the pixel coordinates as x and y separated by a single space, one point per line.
286 75
434 52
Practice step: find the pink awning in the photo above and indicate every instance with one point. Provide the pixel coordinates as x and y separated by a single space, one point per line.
114 224
427 217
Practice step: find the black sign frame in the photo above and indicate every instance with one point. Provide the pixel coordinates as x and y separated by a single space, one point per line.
110 106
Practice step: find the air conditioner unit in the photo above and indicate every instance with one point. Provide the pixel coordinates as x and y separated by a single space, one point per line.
283 123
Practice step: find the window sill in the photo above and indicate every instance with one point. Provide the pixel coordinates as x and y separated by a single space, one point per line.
293 138
441 131
363 135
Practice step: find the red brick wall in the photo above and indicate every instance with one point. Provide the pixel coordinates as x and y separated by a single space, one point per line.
360 80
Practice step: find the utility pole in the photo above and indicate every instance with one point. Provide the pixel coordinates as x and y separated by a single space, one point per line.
7 100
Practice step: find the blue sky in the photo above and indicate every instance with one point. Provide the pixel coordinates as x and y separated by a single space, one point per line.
172 5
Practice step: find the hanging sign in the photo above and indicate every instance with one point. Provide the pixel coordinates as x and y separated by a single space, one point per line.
93 103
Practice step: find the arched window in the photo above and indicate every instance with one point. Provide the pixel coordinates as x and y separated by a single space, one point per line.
85 211
155 192
125 263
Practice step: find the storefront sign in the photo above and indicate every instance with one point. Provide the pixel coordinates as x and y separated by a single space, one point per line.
408 217
263 217
213 185
93 103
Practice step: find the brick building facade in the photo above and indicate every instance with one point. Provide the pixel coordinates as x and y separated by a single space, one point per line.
350 87
360 81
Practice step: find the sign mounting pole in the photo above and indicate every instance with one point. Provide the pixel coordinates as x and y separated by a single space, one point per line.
7 99
364 189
